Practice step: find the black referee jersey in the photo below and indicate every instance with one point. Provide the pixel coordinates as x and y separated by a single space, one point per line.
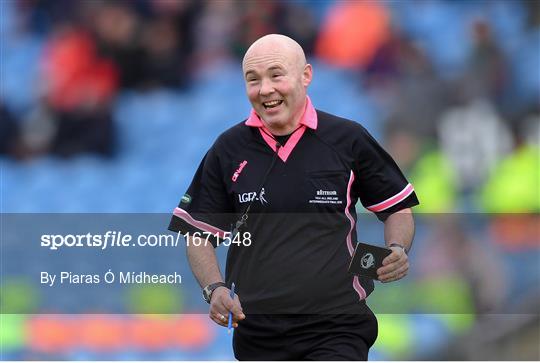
302 216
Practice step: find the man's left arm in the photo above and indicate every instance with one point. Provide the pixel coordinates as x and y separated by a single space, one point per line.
398 235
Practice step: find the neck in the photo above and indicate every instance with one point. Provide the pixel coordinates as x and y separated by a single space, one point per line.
282 131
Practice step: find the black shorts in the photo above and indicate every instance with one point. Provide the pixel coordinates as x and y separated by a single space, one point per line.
306 337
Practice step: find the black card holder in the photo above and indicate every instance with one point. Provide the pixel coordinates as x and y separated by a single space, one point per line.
367 259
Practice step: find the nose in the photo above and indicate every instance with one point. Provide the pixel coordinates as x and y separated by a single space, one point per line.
266 87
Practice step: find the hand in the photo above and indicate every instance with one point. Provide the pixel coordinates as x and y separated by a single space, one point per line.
395 266
220 305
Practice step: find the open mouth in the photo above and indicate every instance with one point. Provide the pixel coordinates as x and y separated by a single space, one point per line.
272 104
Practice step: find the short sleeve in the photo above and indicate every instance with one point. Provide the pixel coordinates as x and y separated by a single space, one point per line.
206 206
379 183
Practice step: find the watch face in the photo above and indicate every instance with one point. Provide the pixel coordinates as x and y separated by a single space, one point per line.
207 291
206 295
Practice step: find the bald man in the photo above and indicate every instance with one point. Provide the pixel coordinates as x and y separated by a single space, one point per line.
280 189
277 77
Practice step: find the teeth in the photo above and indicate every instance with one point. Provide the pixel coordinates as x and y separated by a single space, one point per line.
272 103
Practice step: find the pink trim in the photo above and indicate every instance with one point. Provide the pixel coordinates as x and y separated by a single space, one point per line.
269 139
286 150
254 120
359 289
392 200
356 283
308 119
310 115
180 213
348 214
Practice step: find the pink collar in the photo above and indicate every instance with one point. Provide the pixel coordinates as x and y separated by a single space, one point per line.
309 119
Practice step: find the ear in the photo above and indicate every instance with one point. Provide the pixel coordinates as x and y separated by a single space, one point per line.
307 75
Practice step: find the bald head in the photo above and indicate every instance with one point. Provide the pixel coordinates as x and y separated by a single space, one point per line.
276 44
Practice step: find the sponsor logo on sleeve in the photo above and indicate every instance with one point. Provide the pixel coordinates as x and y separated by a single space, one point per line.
239 170
186 199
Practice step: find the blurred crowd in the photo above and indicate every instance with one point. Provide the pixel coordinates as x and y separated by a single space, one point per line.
450 121
95 49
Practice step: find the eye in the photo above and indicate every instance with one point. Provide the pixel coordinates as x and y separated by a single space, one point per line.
276 75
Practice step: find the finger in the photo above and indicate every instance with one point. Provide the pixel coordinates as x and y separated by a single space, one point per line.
394 266
221 308
389 278
397 268
223 320
393 257
395 275
239 317
234 307
238 313
237 302
219 312
219 319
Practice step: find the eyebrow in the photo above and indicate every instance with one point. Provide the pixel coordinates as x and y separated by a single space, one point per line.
272 68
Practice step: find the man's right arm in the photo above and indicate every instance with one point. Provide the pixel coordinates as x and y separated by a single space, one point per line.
205 267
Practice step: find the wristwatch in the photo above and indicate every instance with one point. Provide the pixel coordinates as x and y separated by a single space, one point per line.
208 290
398 245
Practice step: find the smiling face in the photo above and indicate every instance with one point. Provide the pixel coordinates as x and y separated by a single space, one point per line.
277 77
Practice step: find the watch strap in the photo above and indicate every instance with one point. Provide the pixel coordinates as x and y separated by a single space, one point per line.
209 289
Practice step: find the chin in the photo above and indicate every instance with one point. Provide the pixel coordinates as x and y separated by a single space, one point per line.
277 123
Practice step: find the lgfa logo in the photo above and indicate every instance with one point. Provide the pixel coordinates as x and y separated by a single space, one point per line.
250 196
239 170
